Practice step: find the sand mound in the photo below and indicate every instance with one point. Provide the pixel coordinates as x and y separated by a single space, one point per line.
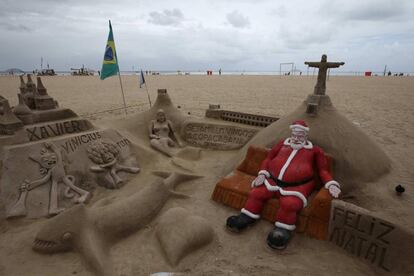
357 157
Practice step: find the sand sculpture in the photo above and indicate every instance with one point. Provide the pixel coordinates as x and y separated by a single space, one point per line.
64 156
180 233
9 123
358 159
287 173
67 160
105 156
36 96
161 134
52 169
30 119
189 130
323 66
215 112
387 247
92 231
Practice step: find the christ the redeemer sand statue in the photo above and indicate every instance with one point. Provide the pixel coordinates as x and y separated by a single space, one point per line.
323 66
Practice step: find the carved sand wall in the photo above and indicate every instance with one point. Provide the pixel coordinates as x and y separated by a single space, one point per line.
216 136
387 247
34 165
215 112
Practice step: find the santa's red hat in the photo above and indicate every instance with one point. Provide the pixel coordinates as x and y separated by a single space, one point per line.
300 124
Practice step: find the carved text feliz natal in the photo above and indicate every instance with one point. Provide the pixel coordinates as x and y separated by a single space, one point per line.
361 235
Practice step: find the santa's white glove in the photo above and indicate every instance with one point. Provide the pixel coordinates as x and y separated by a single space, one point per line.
259 180
333 188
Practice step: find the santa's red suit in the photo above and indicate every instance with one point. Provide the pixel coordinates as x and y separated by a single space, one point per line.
290 177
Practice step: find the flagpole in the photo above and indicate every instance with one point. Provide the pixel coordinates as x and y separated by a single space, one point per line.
122 90
146 88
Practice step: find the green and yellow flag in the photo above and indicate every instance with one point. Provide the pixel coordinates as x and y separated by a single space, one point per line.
110 62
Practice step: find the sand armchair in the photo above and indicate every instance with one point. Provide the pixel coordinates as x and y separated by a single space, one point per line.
233 189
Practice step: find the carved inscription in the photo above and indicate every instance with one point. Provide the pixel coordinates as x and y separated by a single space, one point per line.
123 143
36 133
362 235
72 144
217 136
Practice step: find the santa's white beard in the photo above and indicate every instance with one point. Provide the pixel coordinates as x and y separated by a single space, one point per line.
297 146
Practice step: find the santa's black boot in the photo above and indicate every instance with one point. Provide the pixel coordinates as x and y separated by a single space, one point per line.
278 238
239 223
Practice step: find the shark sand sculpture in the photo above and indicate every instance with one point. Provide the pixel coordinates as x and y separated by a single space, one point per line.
92 231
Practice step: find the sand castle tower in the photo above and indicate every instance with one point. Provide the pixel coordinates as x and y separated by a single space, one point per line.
30 85
22 111
42 100
22 86
28 90
22 108
357 157
9 123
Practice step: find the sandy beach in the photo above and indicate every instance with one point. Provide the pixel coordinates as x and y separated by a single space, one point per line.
381 106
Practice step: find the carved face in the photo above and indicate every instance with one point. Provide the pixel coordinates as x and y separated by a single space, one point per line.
298 137
60 244
48 159
58 234
161 116
108 157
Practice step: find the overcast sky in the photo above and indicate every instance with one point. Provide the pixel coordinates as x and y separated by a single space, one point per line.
208 34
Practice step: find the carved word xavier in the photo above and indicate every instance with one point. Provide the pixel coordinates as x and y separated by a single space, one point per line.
56 129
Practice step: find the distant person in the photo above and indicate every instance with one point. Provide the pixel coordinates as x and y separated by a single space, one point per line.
220 71
99 73
389 73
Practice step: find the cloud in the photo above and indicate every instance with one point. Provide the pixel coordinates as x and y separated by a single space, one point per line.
237 20
368 10
14 27
255 35
281 11
302 36
172 17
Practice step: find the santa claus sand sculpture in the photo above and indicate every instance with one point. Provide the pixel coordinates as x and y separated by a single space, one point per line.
287 173
358 158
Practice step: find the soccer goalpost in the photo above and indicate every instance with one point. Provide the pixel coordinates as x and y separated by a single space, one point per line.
291 64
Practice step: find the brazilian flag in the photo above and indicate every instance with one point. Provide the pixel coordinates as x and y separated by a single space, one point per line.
110 62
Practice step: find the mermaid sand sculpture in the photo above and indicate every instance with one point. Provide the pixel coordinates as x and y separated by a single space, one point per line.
52 168
91 231
161 134
106 156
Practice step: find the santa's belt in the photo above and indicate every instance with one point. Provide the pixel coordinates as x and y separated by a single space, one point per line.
297 194
284 184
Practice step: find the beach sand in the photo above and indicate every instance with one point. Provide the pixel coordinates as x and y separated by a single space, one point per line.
381 106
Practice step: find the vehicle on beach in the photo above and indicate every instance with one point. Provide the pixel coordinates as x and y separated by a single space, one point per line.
46 72
82 71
